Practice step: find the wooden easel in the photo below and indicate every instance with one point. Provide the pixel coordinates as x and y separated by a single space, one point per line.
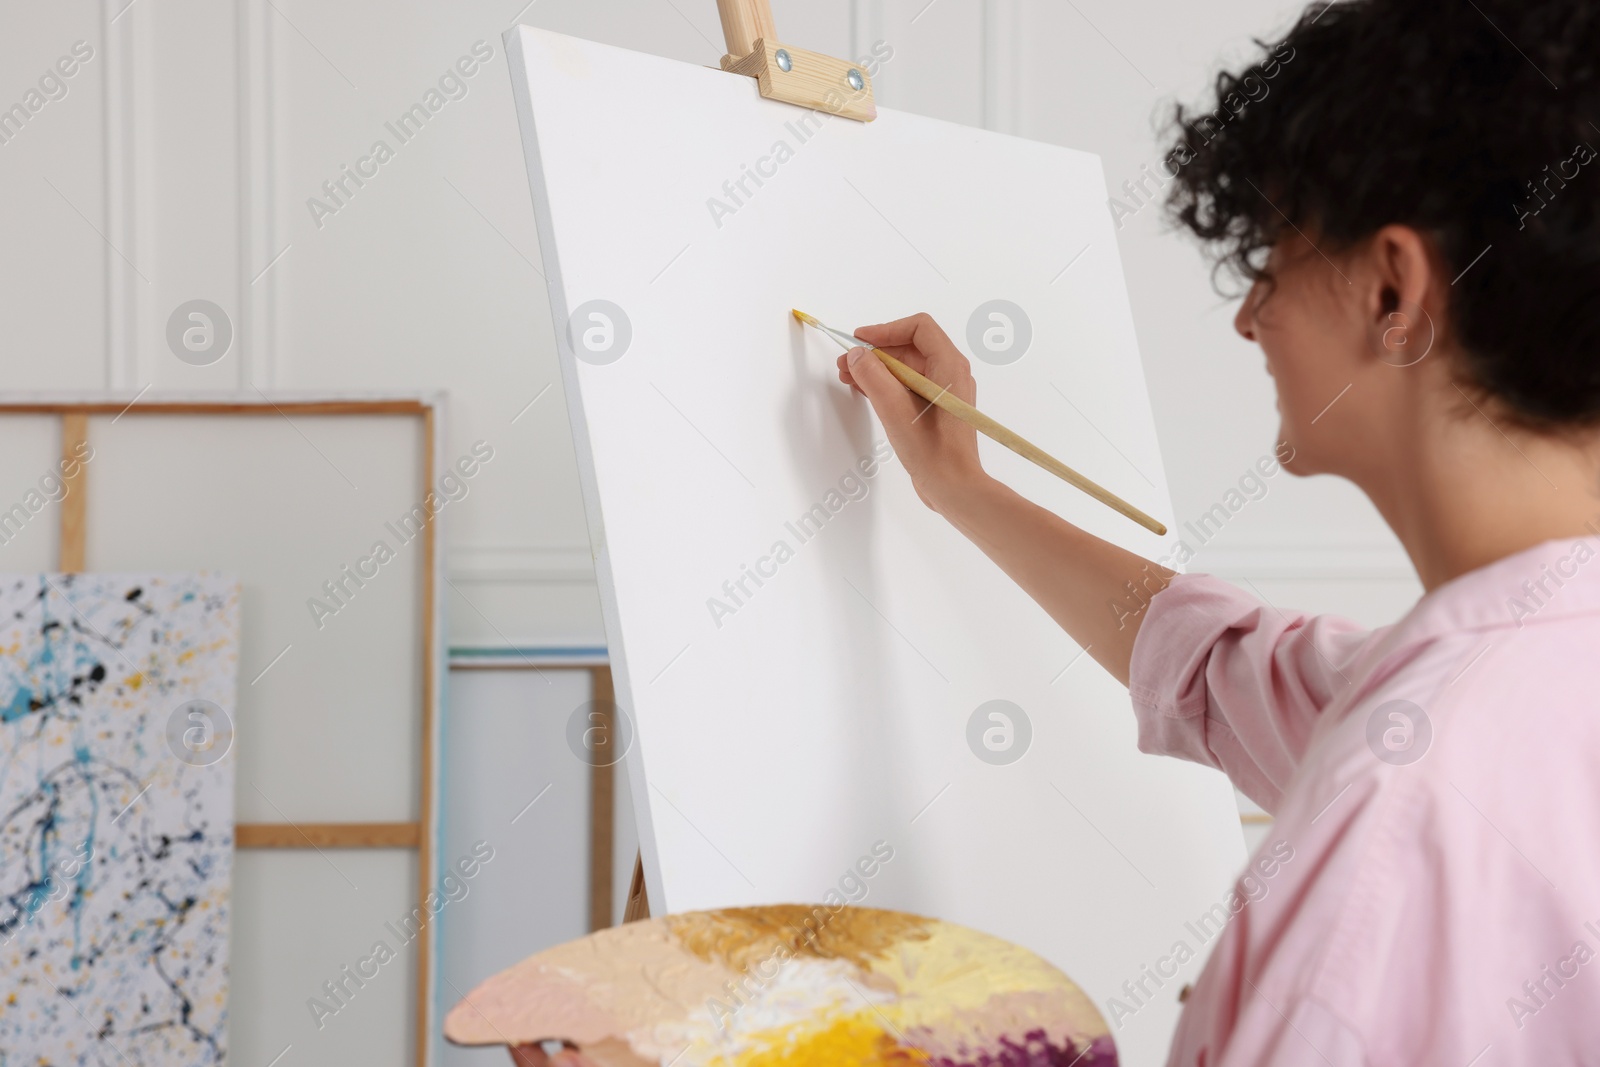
794 76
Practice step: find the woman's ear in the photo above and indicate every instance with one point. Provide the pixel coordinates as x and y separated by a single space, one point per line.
1405 299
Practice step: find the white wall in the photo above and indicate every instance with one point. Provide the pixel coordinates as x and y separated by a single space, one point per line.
180 161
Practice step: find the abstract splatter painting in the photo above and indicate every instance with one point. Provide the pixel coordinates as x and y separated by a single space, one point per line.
117 698
784 986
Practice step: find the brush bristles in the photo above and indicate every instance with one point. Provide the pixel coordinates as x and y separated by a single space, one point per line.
803 317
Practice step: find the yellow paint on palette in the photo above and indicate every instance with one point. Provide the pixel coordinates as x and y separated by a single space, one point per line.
790 985
860 1038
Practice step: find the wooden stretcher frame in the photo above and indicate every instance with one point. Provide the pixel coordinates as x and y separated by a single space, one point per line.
602 773
420 834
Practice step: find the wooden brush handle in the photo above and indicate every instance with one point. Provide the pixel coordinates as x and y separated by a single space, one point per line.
934 394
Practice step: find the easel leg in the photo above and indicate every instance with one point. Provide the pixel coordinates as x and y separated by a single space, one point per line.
602 820
638 904
602 804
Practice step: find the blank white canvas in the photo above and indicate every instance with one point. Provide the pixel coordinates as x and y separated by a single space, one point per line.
776 743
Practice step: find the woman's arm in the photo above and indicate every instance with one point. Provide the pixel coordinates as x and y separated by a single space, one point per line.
1225 680
1093 589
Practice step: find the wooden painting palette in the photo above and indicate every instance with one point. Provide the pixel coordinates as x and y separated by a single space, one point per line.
786 985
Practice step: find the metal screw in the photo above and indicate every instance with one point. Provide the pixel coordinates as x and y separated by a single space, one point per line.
857 82
785 64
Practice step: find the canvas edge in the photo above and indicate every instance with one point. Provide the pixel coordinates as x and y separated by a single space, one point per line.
514 40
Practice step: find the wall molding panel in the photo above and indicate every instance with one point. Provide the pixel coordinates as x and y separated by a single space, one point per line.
573 564
1002 65
522 564
257 171
121 47
1330 563
866 26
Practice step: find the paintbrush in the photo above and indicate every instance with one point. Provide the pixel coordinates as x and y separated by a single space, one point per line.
934 394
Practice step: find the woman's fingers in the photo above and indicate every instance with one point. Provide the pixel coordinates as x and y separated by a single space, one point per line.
844 375
919 343
535 1056
895 405
897 332
940 453
919 331
909 355
941 360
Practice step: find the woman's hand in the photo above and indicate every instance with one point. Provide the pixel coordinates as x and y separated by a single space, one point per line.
1075 576
938 450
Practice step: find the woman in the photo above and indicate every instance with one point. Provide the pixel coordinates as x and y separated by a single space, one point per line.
1414 206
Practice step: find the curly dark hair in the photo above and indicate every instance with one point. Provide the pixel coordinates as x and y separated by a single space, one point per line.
1474 122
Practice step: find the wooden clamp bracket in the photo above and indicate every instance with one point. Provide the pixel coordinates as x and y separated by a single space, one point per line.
792 75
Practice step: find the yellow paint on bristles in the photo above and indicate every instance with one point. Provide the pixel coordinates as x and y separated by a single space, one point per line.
803 317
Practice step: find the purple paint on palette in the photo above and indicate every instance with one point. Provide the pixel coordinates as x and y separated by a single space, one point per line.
1037 1050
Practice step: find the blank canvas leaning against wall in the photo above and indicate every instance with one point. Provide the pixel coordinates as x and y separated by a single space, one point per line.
811 659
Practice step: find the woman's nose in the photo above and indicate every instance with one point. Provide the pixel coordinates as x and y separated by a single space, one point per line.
1244 321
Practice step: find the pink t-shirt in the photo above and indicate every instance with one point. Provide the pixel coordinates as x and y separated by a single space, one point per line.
1438 783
